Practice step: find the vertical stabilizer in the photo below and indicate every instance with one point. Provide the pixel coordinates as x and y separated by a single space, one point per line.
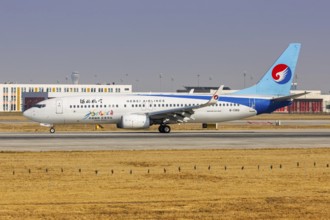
278 79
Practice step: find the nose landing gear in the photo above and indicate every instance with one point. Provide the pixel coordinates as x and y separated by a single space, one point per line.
52 130
164 129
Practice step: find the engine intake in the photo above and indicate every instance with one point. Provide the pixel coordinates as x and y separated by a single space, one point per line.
134 121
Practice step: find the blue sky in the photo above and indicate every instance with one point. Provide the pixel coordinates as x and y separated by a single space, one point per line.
132 42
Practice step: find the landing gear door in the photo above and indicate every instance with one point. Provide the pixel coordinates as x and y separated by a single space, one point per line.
59 106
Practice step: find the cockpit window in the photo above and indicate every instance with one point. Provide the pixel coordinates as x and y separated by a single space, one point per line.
39 105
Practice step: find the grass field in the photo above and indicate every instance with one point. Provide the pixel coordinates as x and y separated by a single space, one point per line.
182 184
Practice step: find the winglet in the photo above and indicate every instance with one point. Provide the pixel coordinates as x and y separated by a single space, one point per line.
214 98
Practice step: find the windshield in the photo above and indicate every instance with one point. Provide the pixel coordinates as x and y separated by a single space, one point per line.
39 105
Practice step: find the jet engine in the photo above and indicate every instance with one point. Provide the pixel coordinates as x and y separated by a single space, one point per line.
134 121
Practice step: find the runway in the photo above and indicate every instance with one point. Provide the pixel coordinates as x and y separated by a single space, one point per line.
157 141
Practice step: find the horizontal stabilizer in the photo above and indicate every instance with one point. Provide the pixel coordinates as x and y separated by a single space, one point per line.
289 97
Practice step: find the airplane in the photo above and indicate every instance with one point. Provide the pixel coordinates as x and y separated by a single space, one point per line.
141 110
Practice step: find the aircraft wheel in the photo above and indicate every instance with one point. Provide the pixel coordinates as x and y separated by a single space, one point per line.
52 130
167 129
161 128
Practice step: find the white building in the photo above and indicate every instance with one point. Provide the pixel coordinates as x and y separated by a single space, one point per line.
11 95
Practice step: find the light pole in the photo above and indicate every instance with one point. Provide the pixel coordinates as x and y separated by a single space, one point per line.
95 76
198 80
136 84
244 75
172 83
125 78
160 81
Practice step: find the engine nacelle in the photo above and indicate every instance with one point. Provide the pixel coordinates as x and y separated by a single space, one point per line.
134 121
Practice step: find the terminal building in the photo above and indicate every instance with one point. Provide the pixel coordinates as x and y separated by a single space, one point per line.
18 97
313 102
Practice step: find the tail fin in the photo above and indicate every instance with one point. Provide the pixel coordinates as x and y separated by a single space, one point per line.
277 81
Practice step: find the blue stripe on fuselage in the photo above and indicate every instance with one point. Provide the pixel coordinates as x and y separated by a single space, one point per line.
259 104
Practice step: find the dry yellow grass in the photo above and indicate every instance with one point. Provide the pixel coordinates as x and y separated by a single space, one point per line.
278 189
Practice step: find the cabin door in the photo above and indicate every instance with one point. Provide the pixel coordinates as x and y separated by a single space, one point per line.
59 106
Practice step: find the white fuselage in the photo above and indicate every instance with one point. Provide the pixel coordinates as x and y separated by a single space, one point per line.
109 109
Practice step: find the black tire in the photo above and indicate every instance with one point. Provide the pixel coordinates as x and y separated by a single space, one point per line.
52 130
161 129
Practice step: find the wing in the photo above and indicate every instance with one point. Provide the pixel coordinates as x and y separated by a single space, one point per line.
183 114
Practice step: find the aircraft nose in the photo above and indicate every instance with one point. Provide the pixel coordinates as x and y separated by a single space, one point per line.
29 114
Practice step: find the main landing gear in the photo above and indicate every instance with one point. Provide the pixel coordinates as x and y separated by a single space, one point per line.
52 130
164 129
